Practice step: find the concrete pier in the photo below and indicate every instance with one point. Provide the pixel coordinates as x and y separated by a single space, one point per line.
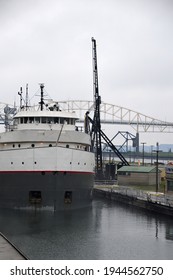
8 251
152 201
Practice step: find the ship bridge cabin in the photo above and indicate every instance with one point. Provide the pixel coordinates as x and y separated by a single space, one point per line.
44 128
46 120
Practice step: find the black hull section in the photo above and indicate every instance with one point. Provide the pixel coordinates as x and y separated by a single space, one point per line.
45 190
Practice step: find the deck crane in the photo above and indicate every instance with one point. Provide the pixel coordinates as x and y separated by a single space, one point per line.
96 132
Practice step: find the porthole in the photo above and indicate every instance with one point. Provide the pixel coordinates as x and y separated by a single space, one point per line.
50 145
67 146
22 162
13 145
32 145
19 145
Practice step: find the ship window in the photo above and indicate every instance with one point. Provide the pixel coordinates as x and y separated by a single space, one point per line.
43 119
50 120
37 120
13 145
61 120
56 120
50 145
35 197
32 145
25 119
66 121
67 146
19 145
22 162
11 162
31 119
68 197
21 120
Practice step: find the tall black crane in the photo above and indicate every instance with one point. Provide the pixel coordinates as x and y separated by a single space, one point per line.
96 125
96 133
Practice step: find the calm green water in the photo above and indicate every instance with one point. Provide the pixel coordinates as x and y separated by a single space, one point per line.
107 230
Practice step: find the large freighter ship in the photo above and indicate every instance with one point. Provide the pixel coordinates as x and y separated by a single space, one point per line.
45 160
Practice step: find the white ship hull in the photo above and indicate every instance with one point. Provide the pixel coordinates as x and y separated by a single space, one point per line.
46 178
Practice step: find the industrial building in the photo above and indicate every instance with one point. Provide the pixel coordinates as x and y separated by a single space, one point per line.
138 175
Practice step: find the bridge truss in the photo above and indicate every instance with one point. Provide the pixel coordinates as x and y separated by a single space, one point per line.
110 114
114 114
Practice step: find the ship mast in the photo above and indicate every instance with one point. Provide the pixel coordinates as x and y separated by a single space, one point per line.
42 97
20 94
26 103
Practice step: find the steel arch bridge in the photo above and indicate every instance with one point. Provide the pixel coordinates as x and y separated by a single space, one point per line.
113 114
110 114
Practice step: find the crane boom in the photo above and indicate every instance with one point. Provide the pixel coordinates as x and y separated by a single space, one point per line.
96 127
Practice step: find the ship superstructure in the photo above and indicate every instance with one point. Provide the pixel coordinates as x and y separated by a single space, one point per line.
45 160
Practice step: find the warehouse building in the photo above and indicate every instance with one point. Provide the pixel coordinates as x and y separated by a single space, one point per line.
137 175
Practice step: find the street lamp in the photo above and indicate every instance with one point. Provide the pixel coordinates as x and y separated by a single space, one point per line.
143 143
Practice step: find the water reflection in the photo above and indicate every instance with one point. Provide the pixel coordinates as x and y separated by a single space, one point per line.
107 230
169 232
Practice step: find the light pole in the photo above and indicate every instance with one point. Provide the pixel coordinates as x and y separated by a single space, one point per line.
151 154
143 143
157 165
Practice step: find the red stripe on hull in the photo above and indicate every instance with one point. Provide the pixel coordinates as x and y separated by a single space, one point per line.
47 171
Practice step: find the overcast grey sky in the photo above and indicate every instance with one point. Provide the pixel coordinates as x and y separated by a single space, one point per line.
49 41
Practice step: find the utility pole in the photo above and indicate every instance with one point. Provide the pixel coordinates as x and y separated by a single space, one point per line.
143 143
151 154
157 166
